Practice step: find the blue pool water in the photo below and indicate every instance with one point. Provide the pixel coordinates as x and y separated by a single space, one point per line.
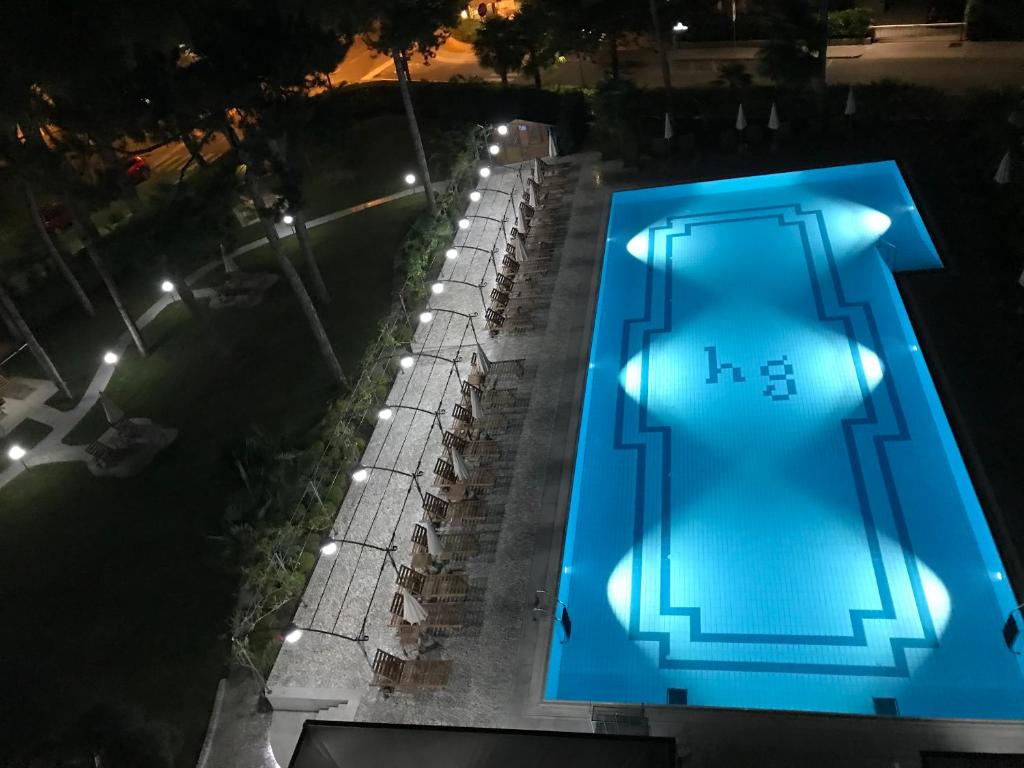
769 508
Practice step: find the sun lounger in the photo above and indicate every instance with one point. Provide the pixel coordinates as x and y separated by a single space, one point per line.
457 546
484 448
395 674
451 513
105 455
433 587
444 477
439 615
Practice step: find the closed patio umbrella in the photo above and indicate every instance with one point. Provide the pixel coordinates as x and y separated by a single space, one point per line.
1003 171
773 119
552 146
482 361
474 404
433 540
669 133
741 119
851 104
111 409
413 611
459 465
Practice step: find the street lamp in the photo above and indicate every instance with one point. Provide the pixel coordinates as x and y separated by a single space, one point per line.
111 358
292 633
387 412
329 545
362 472
17 453
410 179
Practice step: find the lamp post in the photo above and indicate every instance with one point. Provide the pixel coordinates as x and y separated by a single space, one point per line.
17 453
453 253
329 545
387 412
437 288
167 287
427 316
362 473
292 633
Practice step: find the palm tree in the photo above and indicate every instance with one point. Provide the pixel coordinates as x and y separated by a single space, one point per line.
536 25
87 232
267 219
21 328
666 70
413 26
55 254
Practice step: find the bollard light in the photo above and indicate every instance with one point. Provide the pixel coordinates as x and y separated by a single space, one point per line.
16 453
407 362
463 223
385 414
426 317
437 288
410 179
288 219
451 253
166 286
475 195
360 475
111 358
485 172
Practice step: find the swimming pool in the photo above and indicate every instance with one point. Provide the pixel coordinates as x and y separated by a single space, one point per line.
769 509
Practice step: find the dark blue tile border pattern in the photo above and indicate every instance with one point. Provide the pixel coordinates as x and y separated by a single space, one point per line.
653 444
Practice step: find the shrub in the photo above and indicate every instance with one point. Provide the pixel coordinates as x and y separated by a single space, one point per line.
852 23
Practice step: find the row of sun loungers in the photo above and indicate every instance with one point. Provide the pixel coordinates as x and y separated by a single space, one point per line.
434 594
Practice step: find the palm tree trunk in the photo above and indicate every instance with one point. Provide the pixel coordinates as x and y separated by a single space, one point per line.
666 70
292 276
194 148
200 313
613 46
62 265
302 235
114 166
414 129
88 234
503 74
11 312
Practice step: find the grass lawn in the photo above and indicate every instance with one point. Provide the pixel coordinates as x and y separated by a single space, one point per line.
118 590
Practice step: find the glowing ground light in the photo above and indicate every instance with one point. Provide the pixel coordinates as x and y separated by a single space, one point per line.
437 288
111 358
463 223
876 222
494 149
475 196
293 635
426 317
385 414
166 286
503 130
410 178
485 172
329 548
407 362
360 475
16 453
288 219
451 253
637 245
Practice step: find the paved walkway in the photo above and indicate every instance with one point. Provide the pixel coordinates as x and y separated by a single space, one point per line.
52 449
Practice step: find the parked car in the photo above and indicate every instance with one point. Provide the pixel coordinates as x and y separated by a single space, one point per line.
56 217
138 169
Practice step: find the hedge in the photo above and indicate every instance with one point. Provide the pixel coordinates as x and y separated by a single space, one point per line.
852 23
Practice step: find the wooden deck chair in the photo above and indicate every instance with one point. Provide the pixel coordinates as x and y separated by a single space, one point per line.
504 282
392 673
433 587
481 447
105 455
444 477
445 616
451 513
457 546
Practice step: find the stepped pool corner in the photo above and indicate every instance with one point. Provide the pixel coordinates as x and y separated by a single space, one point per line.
769 509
